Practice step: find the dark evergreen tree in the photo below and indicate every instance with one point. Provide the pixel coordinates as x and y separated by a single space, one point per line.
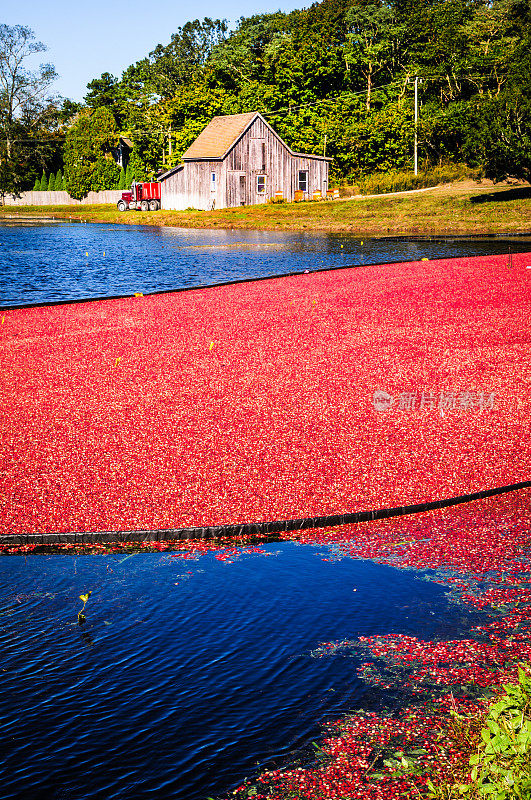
129 175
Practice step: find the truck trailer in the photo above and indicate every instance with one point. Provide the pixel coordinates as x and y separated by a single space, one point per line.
141 197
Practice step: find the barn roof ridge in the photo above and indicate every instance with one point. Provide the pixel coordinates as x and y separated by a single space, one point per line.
218 138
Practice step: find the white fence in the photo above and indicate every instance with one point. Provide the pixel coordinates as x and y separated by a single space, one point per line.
63 198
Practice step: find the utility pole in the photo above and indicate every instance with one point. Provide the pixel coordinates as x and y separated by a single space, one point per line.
416 161
416 123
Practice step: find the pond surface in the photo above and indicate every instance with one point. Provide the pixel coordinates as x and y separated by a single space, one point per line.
188 674
54 262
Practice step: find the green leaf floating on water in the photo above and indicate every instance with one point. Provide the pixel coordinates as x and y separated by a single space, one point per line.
84 598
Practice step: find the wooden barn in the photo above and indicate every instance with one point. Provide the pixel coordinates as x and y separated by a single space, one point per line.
239 160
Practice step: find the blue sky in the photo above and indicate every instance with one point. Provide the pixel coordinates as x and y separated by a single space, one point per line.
85 39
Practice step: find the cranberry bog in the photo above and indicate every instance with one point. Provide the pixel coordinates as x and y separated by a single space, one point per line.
303 396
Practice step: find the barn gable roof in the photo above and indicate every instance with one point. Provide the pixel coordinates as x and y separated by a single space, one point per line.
219 136
222 133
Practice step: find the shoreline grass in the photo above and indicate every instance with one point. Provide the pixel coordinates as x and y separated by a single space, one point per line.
468 207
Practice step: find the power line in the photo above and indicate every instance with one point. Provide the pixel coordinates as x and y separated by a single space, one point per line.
291 109
146 131
337 99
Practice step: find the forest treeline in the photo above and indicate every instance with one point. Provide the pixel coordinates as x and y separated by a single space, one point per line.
337 77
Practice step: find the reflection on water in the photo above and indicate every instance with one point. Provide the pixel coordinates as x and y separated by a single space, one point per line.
54 262
246 245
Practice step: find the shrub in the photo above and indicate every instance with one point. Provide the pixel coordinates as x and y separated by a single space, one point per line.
501 765
406 181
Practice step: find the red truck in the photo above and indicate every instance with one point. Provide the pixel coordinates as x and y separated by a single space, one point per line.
141 196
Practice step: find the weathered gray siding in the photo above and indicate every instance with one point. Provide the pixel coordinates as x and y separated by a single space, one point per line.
317 170
172 191
258 152
191 187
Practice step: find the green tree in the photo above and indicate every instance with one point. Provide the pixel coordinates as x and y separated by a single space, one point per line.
319 35
491 42
338 70
25 104
181 61
137 162
146 155
122 180
102 92
241 57
499 134
59 182
44 183
494 127
51 183
191 110
88 161
372 29
68 110
129 177
108 92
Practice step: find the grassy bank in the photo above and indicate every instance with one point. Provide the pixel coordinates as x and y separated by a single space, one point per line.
467 207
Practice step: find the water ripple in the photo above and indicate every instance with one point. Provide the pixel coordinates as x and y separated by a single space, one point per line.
50 263
178 692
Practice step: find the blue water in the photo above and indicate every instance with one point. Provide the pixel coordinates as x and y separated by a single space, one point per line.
53 262
188 676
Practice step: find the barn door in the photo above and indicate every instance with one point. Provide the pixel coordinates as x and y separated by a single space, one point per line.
243 191
236 190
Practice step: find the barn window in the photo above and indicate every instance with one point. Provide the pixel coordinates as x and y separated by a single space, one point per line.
212 181
261 184
303 181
